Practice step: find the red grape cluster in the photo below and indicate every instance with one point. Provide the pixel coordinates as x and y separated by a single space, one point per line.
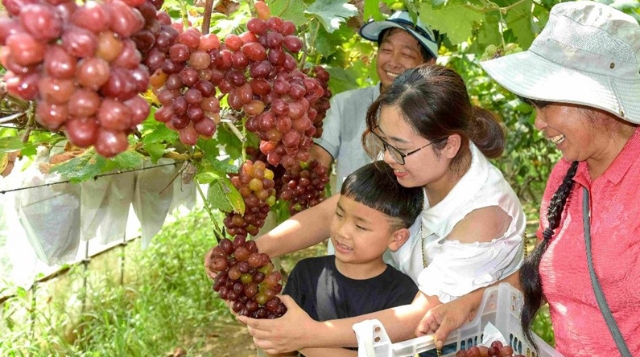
303 185
80 65
287 99
183 82
247 279
320 107
495 350
255 183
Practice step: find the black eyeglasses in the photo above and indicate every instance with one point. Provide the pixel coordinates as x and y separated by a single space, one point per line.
395 154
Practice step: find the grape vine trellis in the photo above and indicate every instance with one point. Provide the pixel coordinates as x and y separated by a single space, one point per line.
328 29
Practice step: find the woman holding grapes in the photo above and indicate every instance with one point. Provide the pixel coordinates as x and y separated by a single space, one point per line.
469 234
582 76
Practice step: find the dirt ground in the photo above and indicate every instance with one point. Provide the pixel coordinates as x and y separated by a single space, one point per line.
231 340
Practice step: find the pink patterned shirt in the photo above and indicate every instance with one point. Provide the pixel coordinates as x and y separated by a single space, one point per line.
580 329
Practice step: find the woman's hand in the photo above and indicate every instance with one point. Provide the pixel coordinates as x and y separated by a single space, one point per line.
291 332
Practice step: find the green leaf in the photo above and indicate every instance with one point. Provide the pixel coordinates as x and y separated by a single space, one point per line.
292 10
128 160
228 141
81 168
489 33
223 196
155 150
519 20
217 198
155 132
10 143
341 79
331 13
456 19
371 11
206 177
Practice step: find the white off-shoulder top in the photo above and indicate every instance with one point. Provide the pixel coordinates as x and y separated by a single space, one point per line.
453 268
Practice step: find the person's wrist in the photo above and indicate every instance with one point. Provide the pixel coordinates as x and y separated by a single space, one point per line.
313 334
263 245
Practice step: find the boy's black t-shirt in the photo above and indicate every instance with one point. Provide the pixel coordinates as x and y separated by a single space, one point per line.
325 294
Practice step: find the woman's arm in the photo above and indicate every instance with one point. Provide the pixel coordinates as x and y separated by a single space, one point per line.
303 230
296 330
444 318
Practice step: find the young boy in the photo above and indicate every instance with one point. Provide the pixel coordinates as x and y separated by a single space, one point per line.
374 213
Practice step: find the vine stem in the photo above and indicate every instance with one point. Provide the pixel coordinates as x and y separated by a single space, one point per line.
311 45
30 123
206 17
218 231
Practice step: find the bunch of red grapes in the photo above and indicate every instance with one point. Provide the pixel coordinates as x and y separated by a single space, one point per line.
247 279
183 82
303 185
495 350
255 183
80 65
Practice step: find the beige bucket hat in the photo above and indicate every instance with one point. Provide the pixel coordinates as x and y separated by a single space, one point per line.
588 53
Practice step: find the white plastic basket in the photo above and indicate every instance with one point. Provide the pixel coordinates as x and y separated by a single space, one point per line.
501 306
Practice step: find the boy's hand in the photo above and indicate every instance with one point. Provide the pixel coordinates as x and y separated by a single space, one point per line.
284 334
208 257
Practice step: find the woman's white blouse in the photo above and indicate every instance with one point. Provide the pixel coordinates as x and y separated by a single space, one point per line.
453 268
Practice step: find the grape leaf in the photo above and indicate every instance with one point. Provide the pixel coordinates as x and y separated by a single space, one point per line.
81 168
155 132
228 141
455 19
519 21
217 199
292 10
371 11
341 79
223 196
155 150
326 44
10 143
331 13
222 167
489 33
209 149
129 159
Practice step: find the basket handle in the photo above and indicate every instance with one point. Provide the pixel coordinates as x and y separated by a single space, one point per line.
365 333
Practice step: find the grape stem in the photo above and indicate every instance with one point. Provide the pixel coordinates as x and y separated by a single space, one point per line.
30 122
10 117
206 19
227 119
311 45
217 231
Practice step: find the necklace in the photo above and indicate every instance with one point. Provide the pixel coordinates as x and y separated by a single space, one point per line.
424 258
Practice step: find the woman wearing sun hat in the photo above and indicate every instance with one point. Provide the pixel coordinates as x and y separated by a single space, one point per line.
582 75
402 44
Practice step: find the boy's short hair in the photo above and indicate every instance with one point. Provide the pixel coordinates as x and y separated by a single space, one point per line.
375 186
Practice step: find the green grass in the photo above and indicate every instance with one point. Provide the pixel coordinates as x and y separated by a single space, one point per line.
166 301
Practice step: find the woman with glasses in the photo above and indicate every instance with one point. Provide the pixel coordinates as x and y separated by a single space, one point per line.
469 234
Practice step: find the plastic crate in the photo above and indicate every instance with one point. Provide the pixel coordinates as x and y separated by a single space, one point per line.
501 306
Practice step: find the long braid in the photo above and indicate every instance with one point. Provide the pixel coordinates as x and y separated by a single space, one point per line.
529 272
